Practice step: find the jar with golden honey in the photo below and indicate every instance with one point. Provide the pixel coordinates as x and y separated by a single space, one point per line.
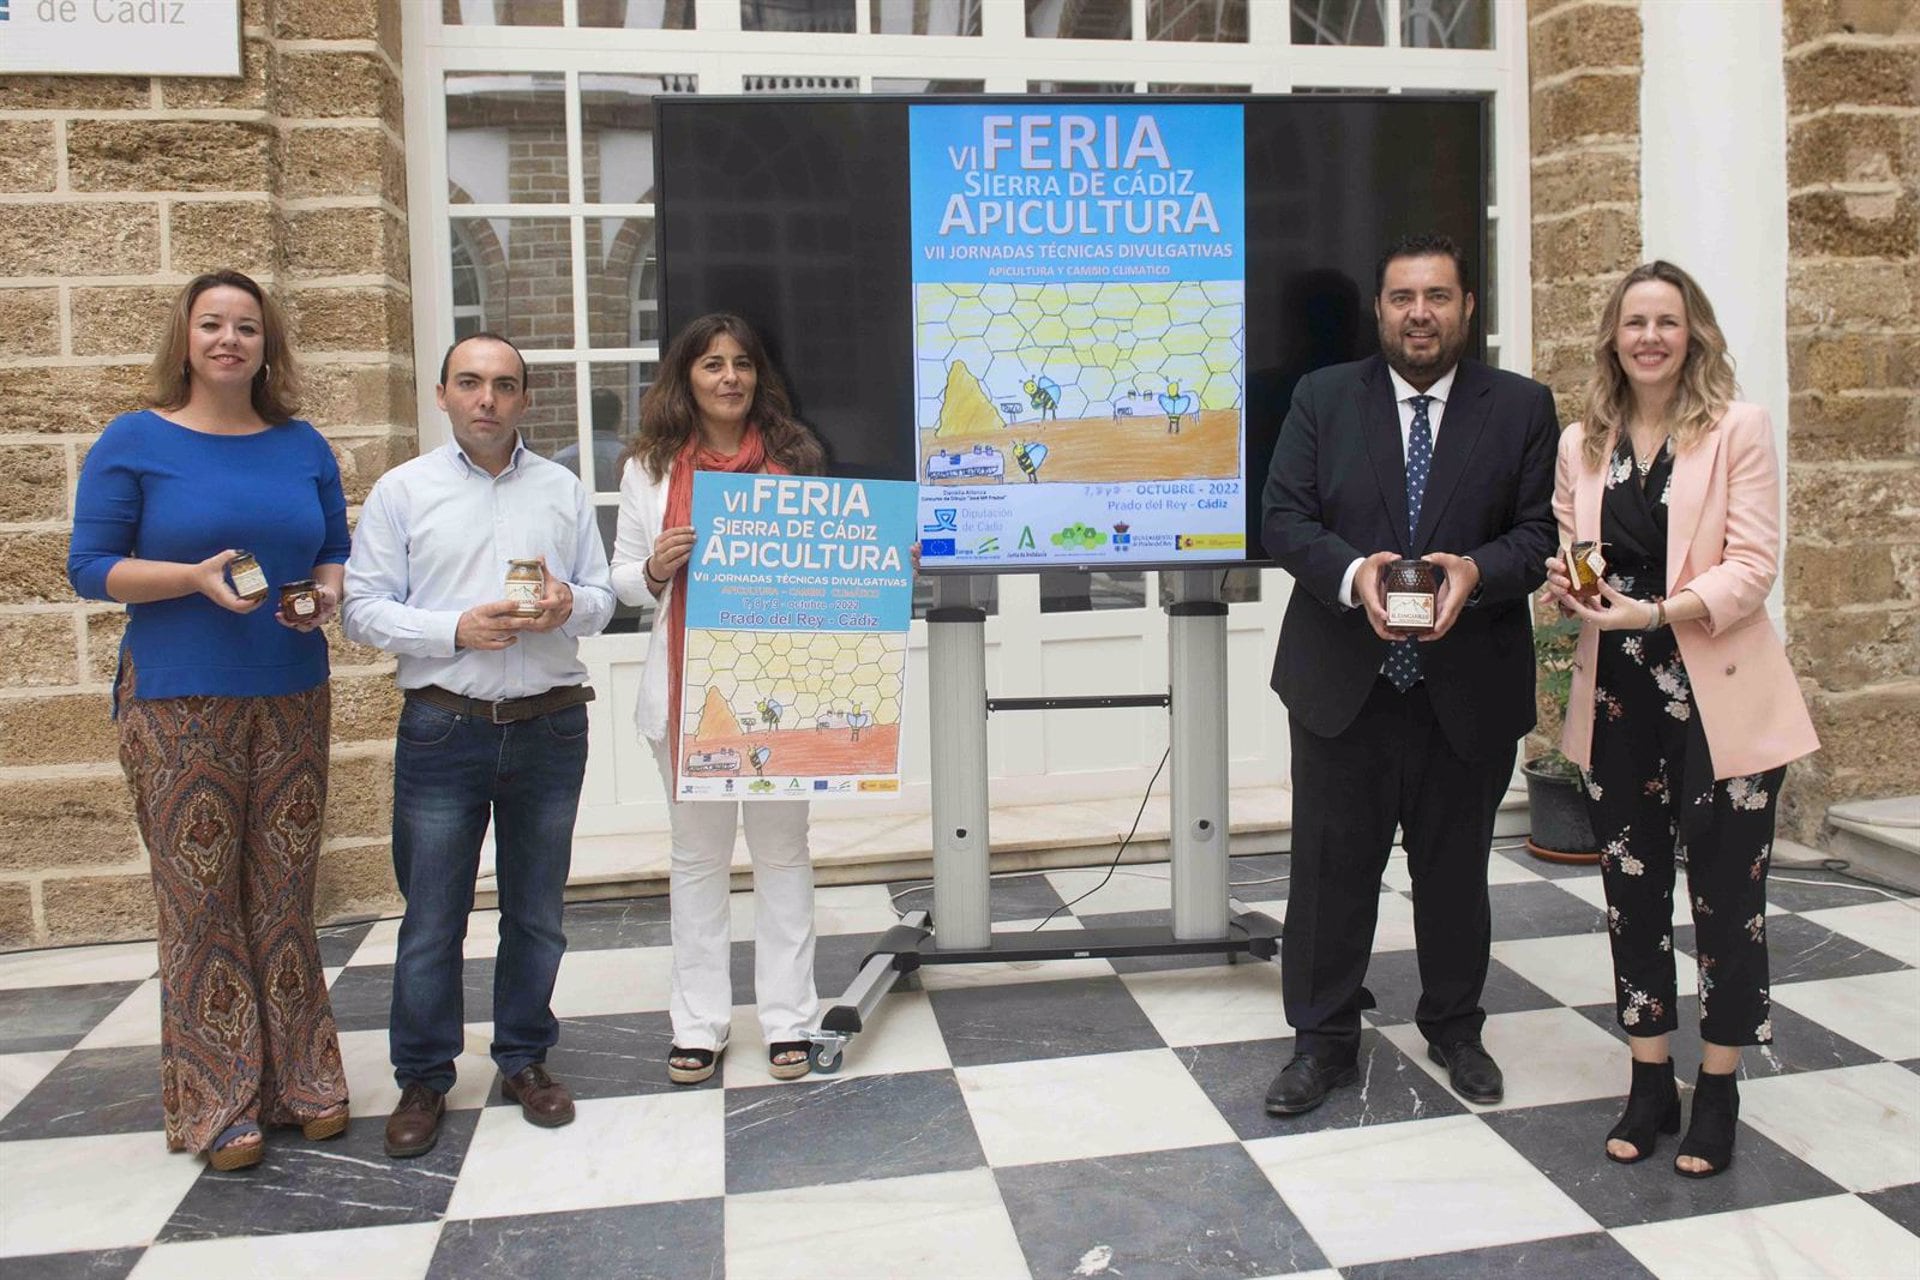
249 579
1412 589
1585 568
300 601
525 578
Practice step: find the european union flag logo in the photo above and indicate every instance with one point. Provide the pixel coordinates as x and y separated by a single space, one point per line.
935 547
819 784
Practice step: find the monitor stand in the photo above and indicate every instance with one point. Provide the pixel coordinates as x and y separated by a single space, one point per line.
959 928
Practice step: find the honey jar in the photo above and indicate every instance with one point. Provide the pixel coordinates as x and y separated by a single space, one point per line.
525 578
1585 568
249 579
1412 591
300 600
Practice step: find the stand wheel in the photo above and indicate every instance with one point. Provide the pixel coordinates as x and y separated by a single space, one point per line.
826 1058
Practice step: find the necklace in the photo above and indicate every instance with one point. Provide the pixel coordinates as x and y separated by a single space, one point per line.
1644 463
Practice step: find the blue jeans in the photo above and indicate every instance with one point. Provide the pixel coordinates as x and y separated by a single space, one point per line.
450 774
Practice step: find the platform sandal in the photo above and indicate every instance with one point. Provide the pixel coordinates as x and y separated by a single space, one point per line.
1653 1108
786 1049
322 1127
230 1153
1716 1116
704 1061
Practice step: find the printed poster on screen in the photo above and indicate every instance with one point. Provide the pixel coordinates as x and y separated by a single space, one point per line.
799 596
1080 332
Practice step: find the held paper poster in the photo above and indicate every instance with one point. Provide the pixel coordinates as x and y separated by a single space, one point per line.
1080 332
799 596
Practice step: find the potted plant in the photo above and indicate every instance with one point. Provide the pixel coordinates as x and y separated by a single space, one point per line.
1559 828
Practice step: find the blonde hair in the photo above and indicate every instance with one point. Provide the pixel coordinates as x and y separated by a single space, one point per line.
1706 378
276 386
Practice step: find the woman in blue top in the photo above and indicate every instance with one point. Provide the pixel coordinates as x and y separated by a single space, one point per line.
224 711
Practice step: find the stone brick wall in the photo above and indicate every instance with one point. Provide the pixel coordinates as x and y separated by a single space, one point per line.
1853 446
1583 70
115 192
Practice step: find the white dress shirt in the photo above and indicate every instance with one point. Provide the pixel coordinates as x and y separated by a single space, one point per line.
435 538
643 509
1403 394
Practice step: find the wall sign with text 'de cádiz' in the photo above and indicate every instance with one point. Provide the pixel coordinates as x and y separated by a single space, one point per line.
120 37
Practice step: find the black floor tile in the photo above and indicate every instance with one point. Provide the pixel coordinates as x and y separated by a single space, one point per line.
1023 1021
851 1130
1798 950
1567 1143
1549 870
1394 979
92 1091
343 1182
836 959
1161 918
615 1055
1902 1204
1597 1256
1025 896
363 995
1195 1214
39 1019
1785 888
682 1240
101 1264
617 924
1799 1043
1391 1088
1260 877
1541 911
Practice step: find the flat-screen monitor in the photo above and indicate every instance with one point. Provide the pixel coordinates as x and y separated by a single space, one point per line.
1076 321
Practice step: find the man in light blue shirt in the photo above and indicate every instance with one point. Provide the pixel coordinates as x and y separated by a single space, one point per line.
494 726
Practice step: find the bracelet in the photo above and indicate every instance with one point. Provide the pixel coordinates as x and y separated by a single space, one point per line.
1658 618
648 573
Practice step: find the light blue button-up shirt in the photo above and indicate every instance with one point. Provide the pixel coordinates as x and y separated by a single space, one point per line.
435 538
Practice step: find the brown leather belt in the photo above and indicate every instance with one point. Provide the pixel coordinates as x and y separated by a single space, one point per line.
507 710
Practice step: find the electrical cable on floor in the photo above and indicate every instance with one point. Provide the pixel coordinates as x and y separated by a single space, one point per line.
1138 814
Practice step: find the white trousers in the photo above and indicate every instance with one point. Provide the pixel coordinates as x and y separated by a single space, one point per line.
702 1005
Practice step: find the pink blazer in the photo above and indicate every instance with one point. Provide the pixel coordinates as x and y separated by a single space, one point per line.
1723 544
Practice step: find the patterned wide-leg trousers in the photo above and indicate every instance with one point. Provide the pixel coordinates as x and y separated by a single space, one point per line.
229 793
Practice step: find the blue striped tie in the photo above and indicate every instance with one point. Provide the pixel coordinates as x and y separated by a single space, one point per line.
1403 660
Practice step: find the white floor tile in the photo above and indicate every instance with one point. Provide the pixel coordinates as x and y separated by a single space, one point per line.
1890 927
1838 1237
1875 1010
1546 1055
20 1073
383 940
105 1192
1143 887
1212 1004
629 981
903 1035
617 1151
1394 929
1821 1116
135 1022
1590 889
368 1253
69 966
1079 1108
1425 1186
1577 968
939 1224
1499 871
371 1090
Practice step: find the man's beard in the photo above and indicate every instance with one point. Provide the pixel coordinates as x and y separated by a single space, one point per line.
1445 355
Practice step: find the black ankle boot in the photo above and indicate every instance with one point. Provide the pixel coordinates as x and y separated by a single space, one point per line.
1716 1112
1653 1108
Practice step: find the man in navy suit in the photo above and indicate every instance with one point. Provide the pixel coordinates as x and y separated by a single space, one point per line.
1413 453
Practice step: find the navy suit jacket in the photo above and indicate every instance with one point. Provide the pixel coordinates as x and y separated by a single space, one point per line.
1338 492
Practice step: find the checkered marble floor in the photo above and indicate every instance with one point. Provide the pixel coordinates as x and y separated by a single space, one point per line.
1070 1119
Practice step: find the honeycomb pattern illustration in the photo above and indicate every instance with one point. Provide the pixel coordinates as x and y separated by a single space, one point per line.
1110 348
815 677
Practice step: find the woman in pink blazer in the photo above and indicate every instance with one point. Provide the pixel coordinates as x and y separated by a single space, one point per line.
1684 710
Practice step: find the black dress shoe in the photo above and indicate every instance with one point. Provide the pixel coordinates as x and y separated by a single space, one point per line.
1304 1083
1471 1070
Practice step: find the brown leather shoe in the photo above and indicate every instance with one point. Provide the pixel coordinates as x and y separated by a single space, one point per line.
543 1100
414 1126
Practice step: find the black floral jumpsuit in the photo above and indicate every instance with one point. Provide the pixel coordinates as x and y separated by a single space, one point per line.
1654 801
